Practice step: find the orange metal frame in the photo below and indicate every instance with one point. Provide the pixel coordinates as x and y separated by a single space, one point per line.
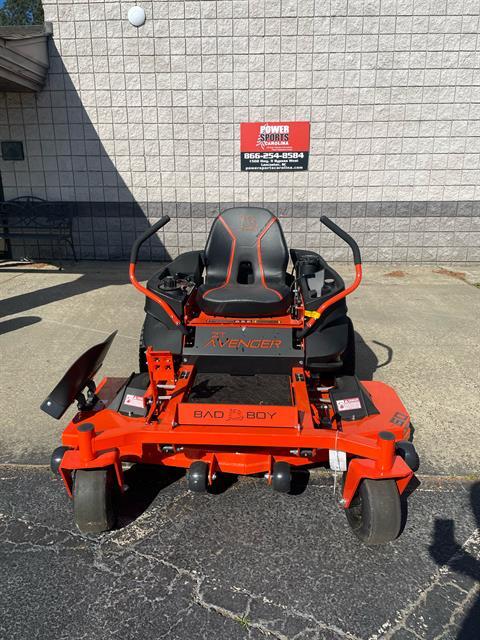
241 439
339 296
146 292
204 320
236 438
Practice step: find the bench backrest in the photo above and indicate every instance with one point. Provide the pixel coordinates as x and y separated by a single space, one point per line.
36 215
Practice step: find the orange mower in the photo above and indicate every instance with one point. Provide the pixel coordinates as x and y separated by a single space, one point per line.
245 368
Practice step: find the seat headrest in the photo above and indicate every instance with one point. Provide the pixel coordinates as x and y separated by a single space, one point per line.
246 223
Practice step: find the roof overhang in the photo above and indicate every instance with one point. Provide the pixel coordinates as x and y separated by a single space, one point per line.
24 57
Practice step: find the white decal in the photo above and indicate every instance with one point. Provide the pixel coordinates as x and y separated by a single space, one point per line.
349 404
133 401
337 460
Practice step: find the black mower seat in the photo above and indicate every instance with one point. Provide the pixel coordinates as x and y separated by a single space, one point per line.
246 259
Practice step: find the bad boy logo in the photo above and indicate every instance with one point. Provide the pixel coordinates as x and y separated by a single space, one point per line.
248 224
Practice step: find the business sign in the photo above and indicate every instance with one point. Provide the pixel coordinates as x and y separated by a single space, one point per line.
274 146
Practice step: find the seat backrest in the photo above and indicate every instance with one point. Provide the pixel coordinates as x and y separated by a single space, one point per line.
246 245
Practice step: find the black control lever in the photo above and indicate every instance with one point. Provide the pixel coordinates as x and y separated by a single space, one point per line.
145 236
357 258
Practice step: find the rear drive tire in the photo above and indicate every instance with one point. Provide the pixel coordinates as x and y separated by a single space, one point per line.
374 514
93 500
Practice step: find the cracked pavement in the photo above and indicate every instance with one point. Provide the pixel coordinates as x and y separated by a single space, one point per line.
242 563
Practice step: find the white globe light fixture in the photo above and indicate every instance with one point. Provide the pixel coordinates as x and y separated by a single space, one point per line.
136 16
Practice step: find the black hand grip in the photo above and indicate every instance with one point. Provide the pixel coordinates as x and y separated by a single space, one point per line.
357 258
145 236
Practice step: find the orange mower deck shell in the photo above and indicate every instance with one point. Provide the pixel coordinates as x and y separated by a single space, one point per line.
239 439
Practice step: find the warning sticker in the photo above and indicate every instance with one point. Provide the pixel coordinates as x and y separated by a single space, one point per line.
349 404
133 401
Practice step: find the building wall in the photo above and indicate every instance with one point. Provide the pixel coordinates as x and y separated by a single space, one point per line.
135 123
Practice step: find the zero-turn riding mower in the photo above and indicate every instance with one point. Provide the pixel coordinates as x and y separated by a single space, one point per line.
245 369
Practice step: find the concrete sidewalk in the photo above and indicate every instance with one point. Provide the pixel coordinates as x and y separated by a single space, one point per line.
417 329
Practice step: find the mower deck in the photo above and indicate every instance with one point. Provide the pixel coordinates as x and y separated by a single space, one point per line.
240 438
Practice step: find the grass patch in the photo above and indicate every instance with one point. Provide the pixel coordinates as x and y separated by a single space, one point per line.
243 621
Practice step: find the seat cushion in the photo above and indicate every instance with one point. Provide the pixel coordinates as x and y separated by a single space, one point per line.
246 259
244 300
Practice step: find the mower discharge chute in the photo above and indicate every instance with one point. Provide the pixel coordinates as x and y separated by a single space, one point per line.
244 369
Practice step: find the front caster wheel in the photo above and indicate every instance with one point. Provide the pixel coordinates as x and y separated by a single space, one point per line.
56 459
407 451
281 477
197 476
375 511
93 500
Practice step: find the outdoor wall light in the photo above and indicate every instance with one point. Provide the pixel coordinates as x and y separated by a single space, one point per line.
136 16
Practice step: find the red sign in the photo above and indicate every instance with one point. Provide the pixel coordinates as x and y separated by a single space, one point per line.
274 146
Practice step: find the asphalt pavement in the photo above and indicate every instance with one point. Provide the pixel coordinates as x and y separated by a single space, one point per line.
244 562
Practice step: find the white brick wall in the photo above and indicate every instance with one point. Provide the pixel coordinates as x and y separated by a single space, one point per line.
151 115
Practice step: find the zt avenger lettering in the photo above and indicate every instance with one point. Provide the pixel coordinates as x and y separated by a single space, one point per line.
218 340
243 350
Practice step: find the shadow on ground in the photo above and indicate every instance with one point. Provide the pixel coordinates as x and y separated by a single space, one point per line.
144 482
447 552
106 217
89 280
367 361
17 323
40 297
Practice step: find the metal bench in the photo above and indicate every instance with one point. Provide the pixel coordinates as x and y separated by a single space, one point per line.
28 217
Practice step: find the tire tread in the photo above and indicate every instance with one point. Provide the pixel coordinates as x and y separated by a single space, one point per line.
381 512
93 500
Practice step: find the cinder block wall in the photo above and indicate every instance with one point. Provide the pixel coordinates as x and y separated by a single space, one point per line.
135 123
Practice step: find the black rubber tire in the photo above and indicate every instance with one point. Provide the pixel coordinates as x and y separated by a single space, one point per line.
93 500
197 476
407 451
375 514
281 477
142 358
56 459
